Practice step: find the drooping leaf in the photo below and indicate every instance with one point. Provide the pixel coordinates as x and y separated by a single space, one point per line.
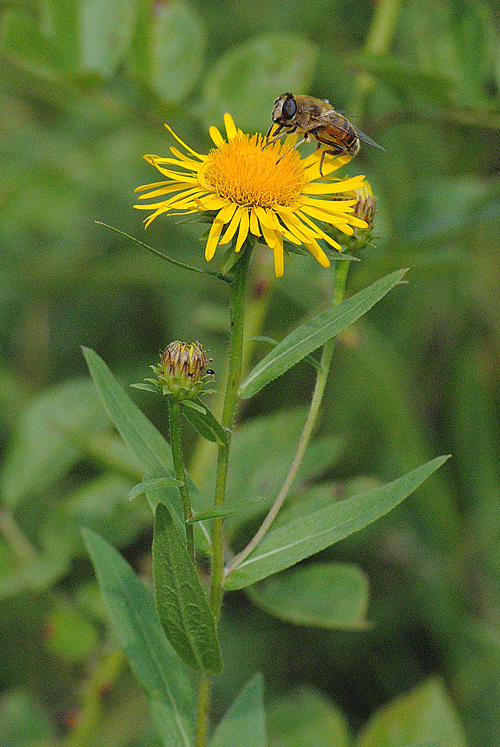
244 722
303 537
154 662
182 606
145 441
305 718
248 77
325 595
314 333
106 30
169 48
143 438
425 716
148 485
46 440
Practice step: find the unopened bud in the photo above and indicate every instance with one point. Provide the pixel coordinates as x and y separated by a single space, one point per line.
365 205
364 209
181 373
183 369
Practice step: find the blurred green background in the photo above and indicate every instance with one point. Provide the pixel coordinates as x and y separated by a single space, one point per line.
85 89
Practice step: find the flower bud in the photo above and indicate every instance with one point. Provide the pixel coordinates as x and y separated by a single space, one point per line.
182 371
364 209
365 206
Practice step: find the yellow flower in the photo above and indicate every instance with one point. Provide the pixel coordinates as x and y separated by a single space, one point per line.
271 193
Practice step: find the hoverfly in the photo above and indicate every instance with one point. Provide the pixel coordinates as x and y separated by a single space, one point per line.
314 118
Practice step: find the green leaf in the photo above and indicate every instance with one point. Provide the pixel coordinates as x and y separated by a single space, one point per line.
305 718
169 49
45 39
316 332
47 438
244 723
24 722
70 635
303 537
106 31
262 451
455 39
325 595
430 87
248 77
205 423
225 509
426 714
154 662
147 486
164 490
144 439
182 606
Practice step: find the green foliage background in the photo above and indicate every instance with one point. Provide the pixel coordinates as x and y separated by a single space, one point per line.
85 89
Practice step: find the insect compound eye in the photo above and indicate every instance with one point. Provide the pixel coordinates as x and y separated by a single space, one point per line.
289 108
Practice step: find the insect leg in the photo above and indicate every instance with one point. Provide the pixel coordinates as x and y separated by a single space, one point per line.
280 132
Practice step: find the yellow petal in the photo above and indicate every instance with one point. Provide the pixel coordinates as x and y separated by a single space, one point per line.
243 232
318 254
213 238
216 136
233 225
279 264
190 150
254 223
269 235
231 130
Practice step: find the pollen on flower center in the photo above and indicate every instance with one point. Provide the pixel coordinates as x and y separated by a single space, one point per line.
246 174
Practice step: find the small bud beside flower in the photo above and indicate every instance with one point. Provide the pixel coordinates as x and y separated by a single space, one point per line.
365 209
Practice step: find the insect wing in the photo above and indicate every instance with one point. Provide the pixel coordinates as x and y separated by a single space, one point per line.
367 139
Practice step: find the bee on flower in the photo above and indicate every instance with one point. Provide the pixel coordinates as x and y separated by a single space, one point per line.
255 193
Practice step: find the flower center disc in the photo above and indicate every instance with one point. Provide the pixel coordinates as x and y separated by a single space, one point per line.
244 173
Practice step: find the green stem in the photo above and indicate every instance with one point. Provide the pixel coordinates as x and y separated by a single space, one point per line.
237 306
175 422
92 710
260 292
340 279
203 703
238 294
377 42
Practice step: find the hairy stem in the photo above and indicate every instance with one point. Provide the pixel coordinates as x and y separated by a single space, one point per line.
340 279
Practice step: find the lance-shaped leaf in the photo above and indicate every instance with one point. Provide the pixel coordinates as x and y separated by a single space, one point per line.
244 723
182 606
310 336
147 443
303 537
205 422
137 431
164 677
